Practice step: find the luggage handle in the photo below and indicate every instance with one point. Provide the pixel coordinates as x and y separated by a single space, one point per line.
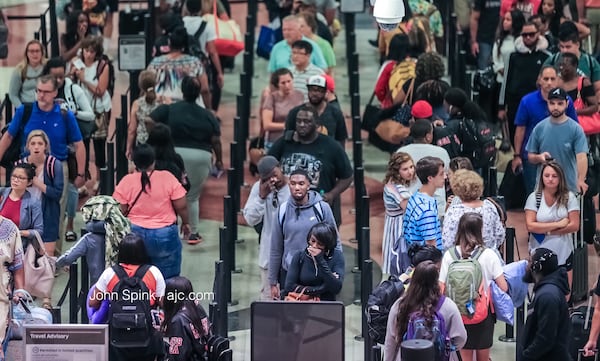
580 353
586 323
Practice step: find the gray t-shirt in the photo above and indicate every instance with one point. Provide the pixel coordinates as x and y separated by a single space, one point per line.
563 141
562 245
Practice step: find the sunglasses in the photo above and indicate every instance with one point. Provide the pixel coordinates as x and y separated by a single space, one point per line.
528 35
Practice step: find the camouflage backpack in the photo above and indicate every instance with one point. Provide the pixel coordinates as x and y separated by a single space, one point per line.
116 225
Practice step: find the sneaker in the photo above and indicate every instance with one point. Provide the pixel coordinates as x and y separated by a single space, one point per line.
194 239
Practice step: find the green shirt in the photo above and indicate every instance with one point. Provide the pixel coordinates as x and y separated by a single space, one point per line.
326 49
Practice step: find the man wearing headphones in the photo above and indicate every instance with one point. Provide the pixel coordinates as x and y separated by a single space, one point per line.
547 331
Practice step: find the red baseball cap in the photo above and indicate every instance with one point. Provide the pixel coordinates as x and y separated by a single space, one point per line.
330 82
421 109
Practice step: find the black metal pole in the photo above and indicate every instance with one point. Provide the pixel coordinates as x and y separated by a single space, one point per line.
358 214
85 286
509 257
73 293
366 288
222 320
54 43
121 145
225 285
110 165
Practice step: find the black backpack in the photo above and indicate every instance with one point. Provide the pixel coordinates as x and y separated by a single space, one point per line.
478 141
379 304
218 348
102 63
129 318
13 152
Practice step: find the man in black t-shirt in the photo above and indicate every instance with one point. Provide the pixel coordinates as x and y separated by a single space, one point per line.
484 20
329 116
322 157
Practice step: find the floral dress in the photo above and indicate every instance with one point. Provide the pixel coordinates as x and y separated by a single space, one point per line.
394 248
143 112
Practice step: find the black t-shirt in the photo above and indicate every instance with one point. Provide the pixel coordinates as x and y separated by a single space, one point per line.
191 125
332 118
488 19
324 160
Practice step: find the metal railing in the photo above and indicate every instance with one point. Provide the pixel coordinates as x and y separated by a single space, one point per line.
41 33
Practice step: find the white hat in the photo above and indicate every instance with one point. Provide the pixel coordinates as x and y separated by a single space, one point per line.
317 80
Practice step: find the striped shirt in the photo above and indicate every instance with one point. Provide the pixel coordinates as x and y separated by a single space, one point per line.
421 222
301 77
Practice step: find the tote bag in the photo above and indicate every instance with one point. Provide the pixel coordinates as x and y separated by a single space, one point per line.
589 123
39 268
229 41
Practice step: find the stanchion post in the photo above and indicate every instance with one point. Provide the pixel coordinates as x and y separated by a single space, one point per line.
110 165
73 293
366 285
452 46
222 318
358 214
85 286
104 181
54 42
492 182
509 255
121 145
235 175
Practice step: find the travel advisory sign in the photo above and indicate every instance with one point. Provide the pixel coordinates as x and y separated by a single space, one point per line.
63 342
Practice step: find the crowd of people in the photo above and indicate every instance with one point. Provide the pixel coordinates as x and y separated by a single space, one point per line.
438 227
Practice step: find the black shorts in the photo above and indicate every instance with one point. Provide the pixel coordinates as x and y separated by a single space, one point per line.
480 336
568 263
112 6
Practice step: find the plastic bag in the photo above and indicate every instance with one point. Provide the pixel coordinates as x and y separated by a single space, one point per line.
503 305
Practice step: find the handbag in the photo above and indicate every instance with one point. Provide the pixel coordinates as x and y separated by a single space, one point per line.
26 313
296 296
39 268
589 123
229 41
87 128
267 37
370 115
403 114
484 79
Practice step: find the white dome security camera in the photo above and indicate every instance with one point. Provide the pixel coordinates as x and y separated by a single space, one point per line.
388 13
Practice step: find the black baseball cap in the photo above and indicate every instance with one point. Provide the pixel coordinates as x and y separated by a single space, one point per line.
557 93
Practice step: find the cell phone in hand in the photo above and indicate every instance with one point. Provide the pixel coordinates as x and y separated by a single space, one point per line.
78 64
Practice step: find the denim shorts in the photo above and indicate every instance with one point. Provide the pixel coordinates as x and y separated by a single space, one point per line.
164 248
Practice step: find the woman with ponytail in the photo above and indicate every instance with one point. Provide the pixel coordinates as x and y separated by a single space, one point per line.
186 325
141 109
152 200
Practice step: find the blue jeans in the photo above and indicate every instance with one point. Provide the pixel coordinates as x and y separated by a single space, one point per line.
164 248
529 176
484 58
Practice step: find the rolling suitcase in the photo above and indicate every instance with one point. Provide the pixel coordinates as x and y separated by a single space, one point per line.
580 259
581 323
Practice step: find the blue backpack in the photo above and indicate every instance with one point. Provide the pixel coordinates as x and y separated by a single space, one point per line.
418 328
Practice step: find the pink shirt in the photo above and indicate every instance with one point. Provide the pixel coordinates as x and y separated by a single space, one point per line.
153 209
281 106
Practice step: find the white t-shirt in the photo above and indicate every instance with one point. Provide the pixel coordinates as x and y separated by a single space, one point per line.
491 266
192 24
562 245
100 104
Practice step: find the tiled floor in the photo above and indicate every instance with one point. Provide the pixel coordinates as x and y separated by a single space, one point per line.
198 261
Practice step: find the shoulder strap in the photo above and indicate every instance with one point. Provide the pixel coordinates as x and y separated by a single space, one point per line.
440 303
74 97
476 253
120 272
27 110
134 202
318 211
538 199
200 30
100 68
50 163
432 9
409 94
281 214
454 254
141 271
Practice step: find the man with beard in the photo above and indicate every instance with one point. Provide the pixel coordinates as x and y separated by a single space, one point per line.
294 219
326 162
561 138
328 115
261 209
532 110
547 331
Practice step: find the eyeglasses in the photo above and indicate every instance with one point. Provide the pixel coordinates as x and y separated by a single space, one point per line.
18 178
275 201
41 91
298 53
528 35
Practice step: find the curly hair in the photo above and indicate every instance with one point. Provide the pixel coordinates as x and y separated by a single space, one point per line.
393 169
422 296
466 184
430 66
432 91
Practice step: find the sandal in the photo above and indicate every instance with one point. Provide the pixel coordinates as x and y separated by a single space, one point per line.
194 239
47 304
70 236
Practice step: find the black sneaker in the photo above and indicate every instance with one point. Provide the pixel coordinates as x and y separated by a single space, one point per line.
194 239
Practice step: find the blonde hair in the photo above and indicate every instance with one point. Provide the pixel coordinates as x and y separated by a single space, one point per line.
39 133
466 184
22 66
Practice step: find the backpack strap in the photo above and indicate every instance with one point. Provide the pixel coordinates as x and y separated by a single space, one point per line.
318 211
200 30
454 254
120 272
141 271
50 163
440 303
538 199
476 253
74 97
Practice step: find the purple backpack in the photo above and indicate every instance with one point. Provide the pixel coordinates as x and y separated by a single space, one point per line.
436 332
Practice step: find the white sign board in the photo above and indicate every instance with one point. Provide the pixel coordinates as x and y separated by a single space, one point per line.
132 52
66 342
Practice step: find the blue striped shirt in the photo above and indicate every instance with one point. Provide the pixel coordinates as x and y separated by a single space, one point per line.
421 221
